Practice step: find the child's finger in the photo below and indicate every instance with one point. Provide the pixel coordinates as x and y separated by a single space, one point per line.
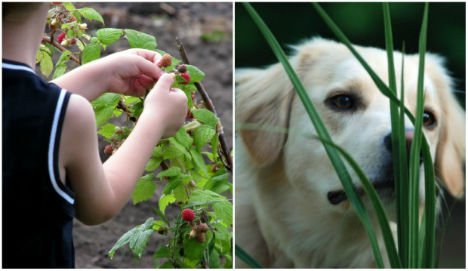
149 68
147 54
146 81
165 82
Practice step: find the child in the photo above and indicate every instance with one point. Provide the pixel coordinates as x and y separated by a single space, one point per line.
51 166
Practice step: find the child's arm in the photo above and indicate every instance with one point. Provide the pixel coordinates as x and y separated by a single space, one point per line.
102 190
129 72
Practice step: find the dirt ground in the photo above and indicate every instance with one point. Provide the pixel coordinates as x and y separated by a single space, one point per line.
188 22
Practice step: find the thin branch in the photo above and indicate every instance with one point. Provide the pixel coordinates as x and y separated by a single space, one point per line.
61 48
210 106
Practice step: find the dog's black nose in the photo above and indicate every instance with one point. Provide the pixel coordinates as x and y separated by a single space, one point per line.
409 139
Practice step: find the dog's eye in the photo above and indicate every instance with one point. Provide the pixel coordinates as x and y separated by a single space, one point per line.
429 120
341 102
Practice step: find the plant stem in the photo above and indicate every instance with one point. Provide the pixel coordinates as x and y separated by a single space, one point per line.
61 48
210 106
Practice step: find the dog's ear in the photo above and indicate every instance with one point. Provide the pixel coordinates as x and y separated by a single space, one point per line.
262 110
264 99
450 156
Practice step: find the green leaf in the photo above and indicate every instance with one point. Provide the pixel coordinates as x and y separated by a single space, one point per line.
107 130
198 160
46 65
193 250
162 252
153 164
138 39
203 135
204 196
157 225
144 189
61 65
157 152
109 35
139 242
104 107
205 116
183 138
171 185
196 75
171 172
175 150
223 211
214 259
91 52
91 14
69 6
166 200
136 237
137 108
221 232
80 45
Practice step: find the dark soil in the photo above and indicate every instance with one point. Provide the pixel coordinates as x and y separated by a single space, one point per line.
188 22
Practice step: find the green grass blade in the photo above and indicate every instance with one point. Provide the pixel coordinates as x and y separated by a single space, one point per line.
396 128
403 226
337 163
430 209
416 152
246 258
376 204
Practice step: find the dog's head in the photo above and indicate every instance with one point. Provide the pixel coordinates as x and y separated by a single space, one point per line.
356 114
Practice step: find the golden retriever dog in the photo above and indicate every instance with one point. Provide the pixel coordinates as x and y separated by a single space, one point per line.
290 207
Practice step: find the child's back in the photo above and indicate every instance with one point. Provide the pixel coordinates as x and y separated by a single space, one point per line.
40 209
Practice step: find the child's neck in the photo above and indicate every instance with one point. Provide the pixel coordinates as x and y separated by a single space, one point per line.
21 38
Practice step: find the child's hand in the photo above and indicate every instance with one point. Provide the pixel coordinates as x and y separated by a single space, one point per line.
167 104
131 72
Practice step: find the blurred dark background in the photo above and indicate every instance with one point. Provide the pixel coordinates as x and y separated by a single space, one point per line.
363 24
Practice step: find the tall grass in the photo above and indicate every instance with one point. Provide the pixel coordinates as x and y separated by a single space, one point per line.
415 242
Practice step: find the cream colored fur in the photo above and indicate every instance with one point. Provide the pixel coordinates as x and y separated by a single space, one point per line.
283 217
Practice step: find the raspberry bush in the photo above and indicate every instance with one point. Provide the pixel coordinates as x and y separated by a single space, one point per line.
191 167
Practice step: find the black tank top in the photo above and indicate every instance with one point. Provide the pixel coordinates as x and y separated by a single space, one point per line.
38 209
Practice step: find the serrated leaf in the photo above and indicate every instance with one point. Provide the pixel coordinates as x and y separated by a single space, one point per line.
91 52
157 152
139 241
166 200
46 64
199 195
138 39
198 160
183 138
107 130
69 6
91 14
132 236
175 150
203 135
223 211
61 65
171 185
162 252
137 108
205 116
144 189
104 107
180 193
221 232
39 56
153 164
214 259
193 249
196 75
157 225
109 35
171 172
123 240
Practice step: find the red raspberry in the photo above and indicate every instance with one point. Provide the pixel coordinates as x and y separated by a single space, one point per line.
186 76
72 41
165 61
188 215
61 37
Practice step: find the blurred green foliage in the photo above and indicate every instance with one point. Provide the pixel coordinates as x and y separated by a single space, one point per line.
292 23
